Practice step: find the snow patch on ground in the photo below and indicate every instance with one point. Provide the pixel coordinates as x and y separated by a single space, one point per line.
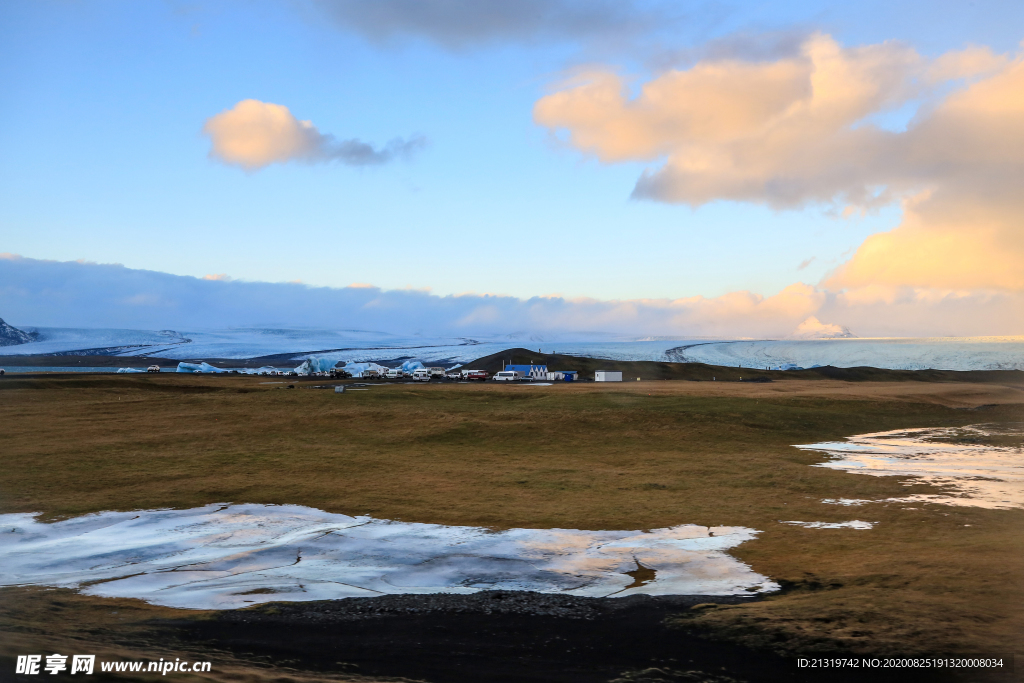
855 524
229 556
958 459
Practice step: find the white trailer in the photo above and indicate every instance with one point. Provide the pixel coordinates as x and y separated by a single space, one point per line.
605 376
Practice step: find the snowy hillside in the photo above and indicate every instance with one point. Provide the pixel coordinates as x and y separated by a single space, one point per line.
12 336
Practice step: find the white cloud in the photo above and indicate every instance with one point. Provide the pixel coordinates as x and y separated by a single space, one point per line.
255 134
812 328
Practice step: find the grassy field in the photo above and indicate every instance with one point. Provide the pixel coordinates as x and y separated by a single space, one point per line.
638 455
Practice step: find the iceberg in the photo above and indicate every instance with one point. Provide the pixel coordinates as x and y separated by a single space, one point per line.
316 364
198 367
124 371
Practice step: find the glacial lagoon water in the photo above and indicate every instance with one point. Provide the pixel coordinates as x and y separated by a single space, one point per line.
230 556
978 465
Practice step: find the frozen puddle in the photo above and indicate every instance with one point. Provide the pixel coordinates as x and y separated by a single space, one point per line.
981 465
228 556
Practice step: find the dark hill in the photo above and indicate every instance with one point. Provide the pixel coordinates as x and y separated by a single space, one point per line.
649 370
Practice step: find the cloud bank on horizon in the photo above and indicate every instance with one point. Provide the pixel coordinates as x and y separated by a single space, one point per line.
77 294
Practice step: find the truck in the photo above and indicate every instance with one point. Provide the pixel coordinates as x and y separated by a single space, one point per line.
436 372
476 374
421 375
395 373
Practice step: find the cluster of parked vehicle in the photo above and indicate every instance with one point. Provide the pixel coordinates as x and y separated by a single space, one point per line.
418 375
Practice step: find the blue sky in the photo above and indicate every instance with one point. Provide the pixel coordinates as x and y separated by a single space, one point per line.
104 104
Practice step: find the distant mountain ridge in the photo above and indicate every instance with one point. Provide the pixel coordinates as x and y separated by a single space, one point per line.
12 336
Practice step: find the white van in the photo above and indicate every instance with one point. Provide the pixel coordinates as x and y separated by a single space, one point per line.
421 375
395 373
507 376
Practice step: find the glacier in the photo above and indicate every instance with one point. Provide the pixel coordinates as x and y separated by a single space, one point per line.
953 353
354 346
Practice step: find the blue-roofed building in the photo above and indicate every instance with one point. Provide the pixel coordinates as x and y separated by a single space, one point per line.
530 371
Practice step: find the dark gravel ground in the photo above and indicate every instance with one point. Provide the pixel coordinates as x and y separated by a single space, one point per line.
499 637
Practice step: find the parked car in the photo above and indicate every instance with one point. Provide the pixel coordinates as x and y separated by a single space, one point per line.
436 372
421 375
395 373
477 374
507 376
454 376
153 368
369 373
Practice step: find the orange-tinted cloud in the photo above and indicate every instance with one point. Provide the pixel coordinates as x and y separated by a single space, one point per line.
780 133
255 134
801 130
967 233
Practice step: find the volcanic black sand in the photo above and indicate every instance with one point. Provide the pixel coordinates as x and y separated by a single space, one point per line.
502 636
493 636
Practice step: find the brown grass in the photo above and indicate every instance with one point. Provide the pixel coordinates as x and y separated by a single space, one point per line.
630 456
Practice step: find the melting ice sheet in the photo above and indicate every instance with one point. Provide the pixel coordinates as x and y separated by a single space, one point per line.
222 557
980 465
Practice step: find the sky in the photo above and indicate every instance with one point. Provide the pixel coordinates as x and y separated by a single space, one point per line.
672 168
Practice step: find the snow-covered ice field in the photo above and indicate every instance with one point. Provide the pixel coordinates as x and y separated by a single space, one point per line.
974 353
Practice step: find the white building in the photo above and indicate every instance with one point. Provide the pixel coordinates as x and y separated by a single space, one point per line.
605 376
